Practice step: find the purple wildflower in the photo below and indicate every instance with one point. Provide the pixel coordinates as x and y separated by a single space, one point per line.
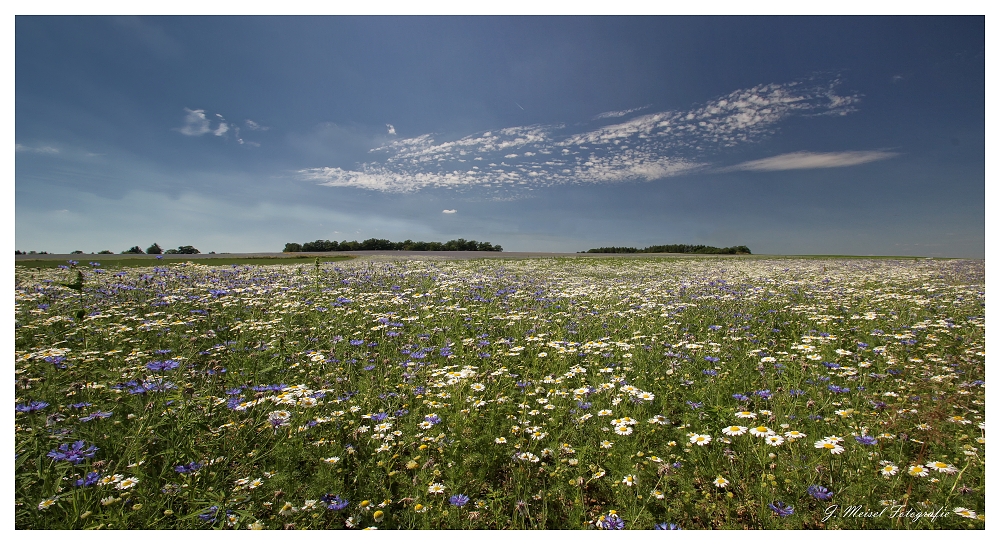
819 492
75 453
31 407
781 509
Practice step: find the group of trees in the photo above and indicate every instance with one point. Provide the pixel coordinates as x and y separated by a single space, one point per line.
152 250
383 244
156 250
671 249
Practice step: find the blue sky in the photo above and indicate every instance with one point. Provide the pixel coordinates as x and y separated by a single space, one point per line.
790 135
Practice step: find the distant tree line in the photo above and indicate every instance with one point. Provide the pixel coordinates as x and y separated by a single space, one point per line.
152 250
156 250
383 244
671 249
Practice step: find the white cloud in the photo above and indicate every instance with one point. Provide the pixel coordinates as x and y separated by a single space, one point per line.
223 128
449 211
390 129
18 148
648 147
195 123
252 125
620 113
809 159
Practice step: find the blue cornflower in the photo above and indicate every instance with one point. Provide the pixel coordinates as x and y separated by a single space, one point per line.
163 351
433 419
80 405
584 404
33 406
188 468
99 415
234 391
356 342
709 372
75 453
369 367
209 514
611 522
57 361
89 479
711 359
233 403
781 509
168 365
694 404
838 389
378 417
740 397
334 502
152 386
867 440
763 394
795 393
458 500
666 526
819 492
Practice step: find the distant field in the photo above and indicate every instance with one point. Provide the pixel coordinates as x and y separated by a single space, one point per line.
119 261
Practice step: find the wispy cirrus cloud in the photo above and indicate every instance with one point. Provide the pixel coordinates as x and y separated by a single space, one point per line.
644 148
801 160
18 148
452 211
620 113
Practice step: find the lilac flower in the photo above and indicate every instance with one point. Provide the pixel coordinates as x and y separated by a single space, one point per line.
781 509
819 492
458 500
31 407
75 453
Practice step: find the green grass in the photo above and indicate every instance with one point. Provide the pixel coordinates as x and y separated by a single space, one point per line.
118 261
548 392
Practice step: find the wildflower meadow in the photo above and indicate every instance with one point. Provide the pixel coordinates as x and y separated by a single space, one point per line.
577 393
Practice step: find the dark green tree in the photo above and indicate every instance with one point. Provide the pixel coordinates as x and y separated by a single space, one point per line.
154 249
